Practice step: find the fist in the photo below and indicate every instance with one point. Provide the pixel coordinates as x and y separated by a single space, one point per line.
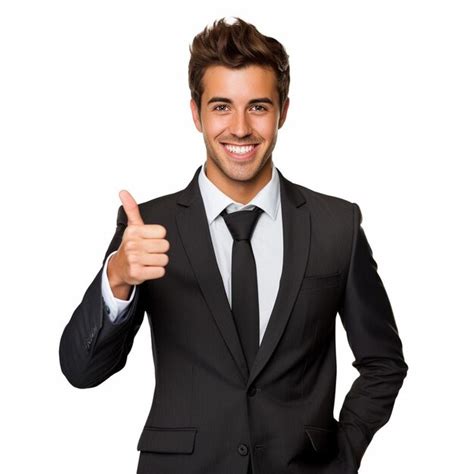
142 252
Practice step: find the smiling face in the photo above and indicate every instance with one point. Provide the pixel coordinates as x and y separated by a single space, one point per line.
240 117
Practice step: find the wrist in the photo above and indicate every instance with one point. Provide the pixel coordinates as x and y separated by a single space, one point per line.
120 288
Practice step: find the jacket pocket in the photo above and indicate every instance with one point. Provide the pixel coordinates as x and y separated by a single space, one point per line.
167 440
323 441
315 282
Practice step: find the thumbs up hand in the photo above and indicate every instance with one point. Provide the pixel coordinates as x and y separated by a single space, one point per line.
142 252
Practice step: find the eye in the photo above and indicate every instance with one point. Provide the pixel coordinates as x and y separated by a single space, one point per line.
260 108
218 107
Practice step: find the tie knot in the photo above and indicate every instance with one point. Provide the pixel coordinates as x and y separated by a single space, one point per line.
241 224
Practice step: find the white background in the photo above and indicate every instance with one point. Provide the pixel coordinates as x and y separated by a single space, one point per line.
94 98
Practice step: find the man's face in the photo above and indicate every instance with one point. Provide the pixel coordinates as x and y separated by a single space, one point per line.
240 117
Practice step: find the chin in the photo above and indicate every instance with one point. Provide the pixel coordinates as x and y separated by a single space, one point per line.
247 173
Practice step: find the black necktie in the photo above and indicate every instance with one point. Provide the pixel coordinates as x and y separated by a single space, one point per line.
244 291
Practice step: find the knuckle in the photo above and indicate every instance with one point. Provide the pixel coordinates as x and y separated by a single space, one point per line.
134 272
131 229
129 245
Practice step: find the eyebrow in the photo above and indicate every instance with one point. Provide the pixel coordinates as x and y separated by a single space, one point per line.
260 100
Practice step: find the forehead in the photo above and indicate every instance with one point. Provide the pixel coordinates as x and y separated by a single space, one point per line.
244 83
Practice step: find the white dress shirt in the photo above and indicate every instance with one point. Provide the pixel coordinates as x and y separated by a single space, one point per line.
266 241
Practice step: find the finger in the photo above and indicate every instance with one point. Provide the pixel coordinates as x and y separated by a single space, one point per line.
130 207
150 273
153 260
155 245
148 231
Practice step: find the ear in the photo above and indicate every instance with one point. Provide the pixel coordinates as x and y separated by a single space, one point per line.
195 112
283 113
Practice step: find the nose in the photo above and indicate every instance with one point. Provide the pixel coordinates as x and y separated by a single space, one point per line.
240 125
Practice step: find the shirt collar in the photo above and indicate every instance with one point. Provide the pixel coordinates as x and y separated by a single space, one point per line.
215 201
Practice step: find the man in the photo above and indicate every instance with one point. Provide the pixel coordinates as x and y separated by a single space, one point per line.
242 274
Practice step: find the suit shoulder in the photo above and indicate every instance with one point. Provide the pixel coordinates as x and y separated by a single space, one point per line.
163 202
160 209
326 202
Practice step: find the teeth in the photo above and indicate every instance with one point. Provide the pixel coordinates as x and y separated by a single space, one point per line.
240 149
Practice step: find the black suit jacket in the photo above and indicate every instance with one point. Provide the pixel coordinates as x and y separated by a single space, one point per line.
210 412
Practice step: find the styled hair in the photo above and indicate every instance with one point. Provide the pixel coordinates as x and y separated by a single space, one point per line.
236 45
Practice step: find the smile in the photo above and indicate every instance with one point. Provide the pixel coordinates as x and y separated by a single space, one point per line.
240 153
241 150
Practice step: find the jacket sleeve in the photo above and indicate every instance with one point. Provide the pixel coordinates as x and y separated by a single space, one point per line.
368 319
92 347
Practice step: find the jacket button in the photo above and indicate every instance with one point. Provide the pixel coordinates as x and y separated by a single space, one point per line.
243 449
252 391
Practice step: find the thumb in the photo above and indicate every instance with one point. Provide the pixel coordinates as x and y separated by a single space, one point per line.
131 208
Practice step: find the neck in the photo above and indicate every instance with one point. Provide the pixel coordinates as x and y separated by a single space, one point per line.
239 191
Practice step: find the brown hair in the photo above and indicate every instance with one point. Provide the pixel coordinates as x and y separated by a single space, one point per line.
236 45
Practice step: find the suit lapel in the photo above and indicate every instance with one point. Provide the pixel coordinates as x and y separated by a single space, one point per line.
191 221
194 231
296 240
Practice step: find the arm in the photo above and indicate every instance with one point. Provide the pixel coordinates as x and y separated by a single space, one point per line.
369 322
92 348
